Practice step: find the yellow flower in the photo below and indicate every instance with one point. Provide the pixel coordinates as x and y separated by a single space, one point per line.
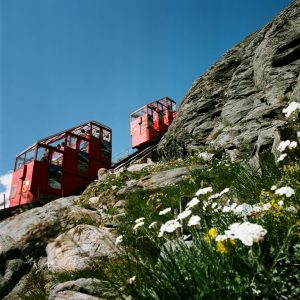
211 235
276 209
225 246
213 232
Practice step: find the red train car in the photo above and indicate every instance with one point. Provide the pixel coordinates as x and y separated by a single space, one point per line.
151 121
62 164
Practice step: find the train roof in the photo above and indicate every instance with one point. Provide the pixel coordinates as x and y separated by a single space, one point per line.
152 104
60 134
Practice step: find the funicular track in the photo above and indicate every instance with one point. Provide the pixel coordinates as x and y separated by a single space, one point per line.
136 156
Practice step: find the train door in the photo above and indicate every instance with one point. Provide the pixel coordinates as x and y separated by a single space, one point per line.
55 170
106 144
83 156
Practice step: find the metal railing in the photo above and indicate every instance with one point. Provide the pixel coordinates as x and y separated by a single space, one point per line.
122 155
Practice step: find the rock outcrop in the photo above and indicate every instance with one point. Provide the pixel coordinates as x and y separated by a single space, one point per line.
237 105
81 289
24 237
74 249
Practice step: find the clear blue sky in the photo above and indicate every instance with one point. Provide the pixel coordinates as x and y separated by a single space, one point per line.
64 62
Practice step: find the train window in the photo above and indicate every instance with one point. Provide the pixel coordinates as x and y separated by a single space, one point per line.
71 141
83 131
150 116
59 142
56 158
173 106
83 146
42 154
160 112
106 135
83 161
96 131
20 161
29 155
55 177
106 143
137 114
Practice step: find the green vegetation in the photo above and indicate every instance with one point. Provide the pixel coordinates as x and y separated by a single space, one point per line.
35 283
263 265
114 181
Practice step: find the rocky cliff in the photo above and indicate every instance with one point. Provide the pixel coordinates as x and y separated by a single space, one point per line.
236 107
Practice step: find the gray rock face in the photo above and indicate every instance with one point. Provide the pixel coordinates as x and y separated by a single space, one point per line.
31 230
83 288
68 295
24 237
14 270
164 178
157 180
77 248
239 101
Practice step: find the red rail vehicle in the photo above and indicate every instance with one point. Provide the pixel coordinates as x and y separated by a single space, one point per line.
62 164
151 121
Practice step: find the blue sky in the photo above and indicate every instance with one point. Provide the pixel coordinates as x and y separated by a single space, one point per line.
64 62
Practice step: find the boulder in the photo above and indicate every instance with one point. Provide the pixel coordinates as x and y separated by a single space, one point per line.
30 231
206 156
139 167
164 178
94 202
87 288
158 179
77 248
71 295
102 174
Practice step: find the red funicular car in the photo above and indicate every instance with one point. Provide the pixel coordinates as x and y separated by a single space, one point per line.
62 164
151 121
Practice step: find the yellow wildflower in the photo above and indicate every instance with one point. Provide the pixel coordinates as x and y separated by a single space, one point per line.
225 246
211 235
221 247
276 209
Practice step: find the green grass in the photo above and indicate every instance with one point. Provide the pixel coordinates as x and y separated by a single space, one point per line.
35 283
269 269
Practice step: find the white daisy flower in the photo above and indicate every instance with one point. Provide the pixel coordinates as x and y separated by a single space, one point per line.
165 211
192 203
247 233
169 226
292 107
194 220
137 225
119 240
139 220
152 224
285 190
204 191
282 157
184 214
